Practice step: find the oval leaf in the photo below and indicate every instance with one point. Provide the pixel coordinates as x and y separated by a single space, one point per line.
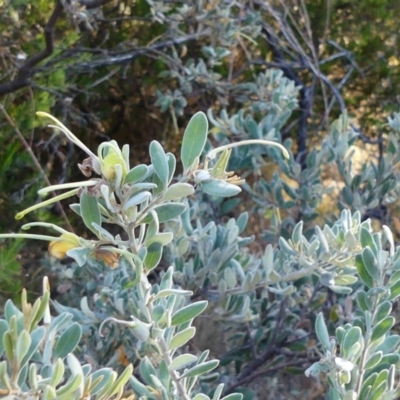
90 211
68 341
181 361
153 256
178 191
160 162
189 312
220 188
182 338
136 174
201 369
194 139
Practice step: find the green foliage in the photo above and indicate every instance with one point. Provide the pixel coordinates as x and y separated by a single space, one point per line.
37 359
317 266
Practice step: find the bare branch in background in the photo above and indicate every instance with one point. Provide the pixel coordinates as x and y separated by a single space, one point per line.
28 70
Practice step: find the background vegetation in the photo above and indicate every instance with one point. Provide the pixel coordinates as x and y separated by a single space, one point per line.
136 71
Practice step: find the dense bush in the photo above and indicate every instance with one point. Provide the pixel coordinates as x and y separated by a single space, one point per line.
268 304
288 266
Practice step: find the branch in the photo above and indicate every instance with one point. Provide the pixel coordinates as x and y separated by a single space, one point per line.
89 4
129 55
28 69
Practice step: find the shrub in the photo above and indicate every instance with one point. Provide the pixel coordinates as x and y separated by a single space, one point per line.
342 278
145 311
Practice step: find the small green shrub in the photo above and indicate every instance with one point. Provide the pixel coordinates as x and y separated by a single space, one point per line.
140 216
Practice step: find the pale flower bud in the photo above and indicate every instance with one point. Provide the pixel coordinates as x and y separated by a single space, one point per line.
59 248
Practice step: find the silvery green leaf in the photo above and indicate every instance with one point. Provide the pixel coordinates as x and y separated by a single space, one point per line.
168 211
233 396
163 238
32 376
380 329
101 379
86 310
160 162
345 280
139 388
351 337
373 360
222 286
3 329
367 385
201 396
68 341
242 221
136 174
22 346
153 256
72 384
79 254
37 337
181 338
188 312
322 239
76 208
297 233
137 199
58 373
201 369
49 393
90 211
172 292
166 281
286 248
367 240
350 240
154 225
314 245
340 289
363 272
147 369
394 290
268 260
370 262
287 291
362 301
8 346
194 140
182 361
220 188
171 166
322 331
218 392
178 191
384 309
389 237
120 382
230 278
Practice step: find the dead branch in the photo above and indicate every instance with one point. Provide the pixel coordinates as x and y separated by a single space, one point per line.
28 70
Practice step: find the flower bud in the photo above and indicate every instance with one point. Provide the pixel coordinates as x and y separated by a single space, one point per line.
59 248
109 163
109 258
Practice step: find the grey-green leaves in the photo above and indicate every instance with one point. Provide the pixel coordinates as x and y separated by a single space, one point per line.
90 211
194 139
160 162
